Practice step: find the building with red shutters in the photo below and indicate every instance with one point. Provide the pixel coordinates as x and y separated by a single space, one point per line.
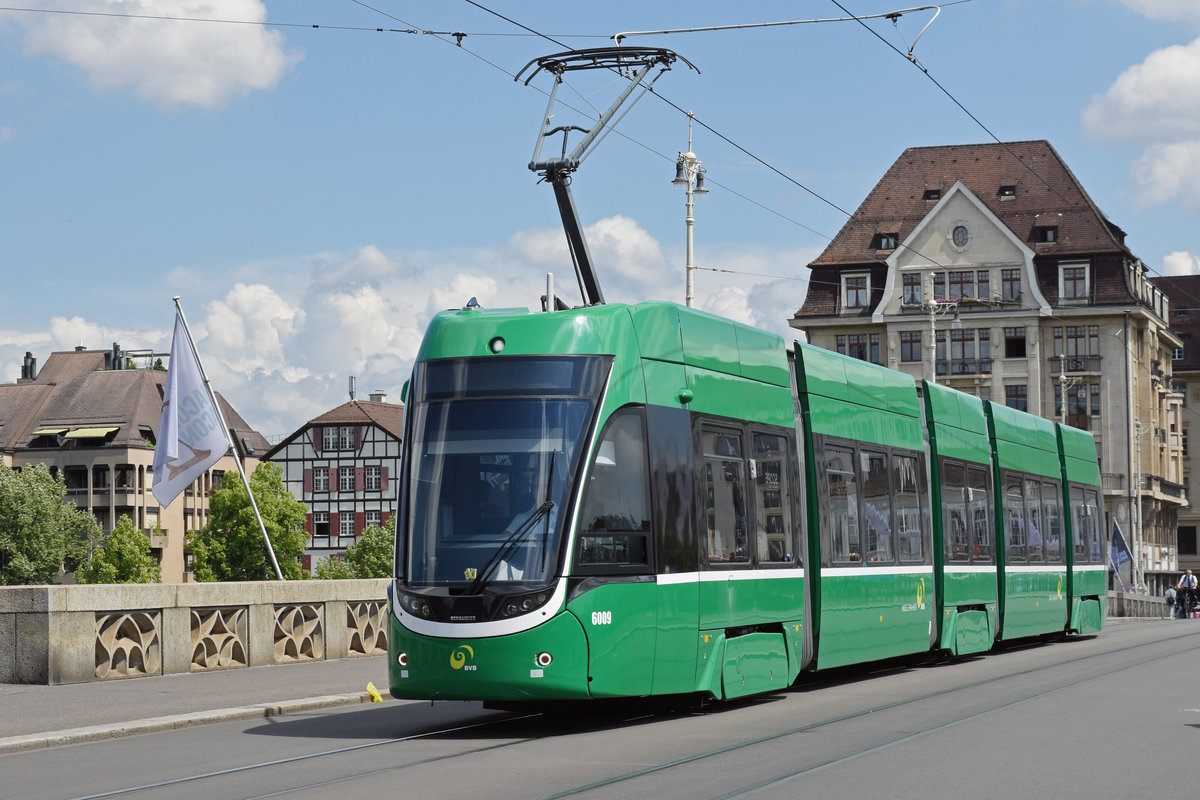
344 466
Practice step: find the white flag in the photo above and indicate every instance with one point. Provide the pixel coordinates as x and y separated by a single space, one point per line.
190 438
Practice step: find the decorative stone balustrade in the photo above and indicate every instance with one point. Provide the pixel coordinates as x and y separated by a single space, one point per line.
72 634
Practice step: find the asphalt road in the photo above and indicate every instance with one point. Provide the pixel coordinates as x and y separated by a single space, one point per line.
1115 715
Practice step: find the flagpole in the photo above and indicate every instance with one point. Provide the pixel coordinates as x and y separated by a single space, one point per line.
229 439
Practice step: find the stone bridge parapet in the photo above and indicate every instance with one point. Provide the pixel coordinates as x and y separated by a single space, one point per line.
73 634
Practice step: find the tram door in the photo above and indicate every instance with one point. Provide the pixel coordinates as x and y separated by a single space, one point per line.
613 560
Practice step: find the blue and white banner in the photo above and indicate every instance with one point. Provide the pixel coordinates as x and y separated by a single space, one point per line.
1119 553
190 438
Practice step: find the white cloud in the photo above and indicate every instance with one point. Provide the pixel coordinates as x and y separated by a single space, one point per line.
1181 263
281 348
1156 100
1166 10
170 64
1156 104
1166 171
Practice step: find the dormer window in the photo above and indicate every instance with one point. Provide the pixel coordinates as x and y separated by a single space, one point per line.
885 241
856 292
1007 192
1046 235
933 195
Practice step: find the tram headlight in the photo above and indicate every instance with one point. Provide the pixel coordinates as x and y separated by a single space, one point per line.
524 603
402 659
417 606
543 659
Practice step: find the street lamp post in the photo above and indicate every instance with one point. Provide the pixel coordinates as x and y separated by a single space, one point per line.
689 174
938 309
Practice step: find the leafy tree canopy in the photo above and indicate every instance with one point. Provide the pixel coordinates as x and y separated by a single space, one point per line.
231 548
123 558
39 533
370 557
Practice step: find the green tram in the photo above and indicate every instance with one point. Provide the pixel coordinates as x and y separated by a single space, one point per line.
631 500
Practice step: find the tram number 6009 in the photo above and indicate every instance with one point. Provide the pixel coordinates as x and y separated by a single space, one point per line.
602 618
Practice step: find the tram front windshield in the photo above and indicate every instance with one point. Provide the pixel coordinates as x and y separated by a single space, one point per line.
495 445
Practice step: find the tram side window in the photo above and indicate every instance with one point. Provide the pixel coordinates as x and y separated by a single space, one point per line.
1079 544
842 509
773 493
954 513
876 507
908 508
1034 529
725 497
1052 522
614 523
1092 506
980 505
1014 520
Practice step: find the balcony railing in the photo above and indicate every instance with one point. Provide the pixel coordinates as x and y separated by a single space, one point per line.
964 366
1112 482
1077 363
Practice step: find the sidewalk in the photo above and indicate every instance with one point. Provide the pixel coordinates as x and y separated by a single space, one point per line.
34 716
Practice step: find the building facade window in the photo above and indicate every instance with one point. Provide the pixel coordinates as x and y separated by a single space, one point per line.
962 285
983 280
1077 340
329 438
1010 284
1016 396
320 523
374 519
1014 342
320 479
1073 283
856 291
346 479
1177 354
1083 403
346 438
862 346
373 477
912 288
346 524
910 346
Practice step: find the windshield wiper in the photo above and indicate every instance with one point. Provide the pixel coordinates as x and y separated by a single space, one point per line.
509 545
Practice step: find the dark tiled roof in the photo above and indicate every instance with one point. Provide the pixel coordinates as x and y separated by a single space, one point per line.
74 390
1039 189
1045 190
387 416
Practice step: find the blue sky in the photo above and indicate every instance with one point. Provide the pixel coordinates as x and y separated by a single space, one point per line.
314 195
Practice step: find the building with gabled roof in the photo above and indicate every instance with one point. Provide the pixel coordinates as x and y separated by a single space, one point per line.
988 267
345 466
96 426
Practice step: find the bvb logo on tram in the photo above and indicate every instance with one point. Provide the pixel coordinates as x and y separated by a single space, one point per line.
460 656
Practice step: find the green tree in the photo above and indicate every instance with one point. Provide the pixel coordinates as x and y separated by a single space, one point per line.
374 554
123 558
230 547
371 556
39 533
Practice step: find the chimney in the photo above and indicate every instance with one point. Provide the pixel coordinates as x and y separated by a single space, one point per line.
29 367
378 396
352 392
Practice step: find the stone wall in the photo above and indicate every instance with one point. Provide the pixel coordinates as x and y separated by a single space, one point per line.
72 634
1124 604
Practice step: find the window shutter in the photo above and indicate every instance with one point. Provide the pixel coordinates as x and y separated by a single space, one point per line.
383 481
308 523
333 523
384 516
308 484
358 479
357 437
359 522
306 562
317 433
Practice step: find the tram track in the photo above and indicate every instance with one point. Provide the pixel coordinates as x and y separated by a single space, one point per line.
626 778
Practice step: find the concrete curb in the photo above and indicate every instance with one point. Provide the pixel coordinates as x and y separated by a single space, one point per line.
117 730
